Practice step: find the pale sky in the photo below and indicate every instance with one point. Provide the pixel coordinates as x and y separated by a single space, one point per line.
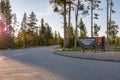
43 9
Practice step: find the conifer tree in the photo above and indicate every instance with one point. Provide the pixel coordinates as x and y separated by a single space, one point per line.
83 31
32 21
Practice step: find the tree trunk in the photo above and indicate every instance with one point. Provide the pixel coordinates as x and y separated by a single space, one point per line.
110 14
107 25
65 26
76 24
92 18
69 21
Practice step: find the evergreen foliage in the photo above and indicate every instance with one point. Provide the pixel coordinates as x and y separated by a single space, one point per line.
83 31
30 34
5 22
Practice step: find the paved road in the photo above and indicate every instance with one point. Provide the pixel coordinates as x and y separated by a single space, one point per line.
42 64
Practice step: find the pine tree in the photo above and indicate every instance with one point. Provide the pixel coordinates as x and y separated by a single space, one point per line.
79 9
24 22
48 35
24 29
62 4
83 31
32 25
94 6
6 15
96 29
42 32
113 30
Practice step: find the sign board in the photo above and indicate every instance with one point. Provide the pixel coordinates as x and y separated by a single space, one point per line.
99 42
92 43
87 42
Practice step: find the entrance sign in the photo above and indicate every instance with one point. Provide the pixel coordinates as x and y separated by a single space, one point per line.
92 43
87 42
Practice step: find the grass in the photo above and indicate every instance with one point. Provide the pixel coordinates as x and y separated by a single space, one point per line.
112 48
71 49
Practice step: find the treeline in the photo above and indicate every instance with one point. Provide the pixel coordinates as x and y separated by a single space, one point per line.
32 35
29 34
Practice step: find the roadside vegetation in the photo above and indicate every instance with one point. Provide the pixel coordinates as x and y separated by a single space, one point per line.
34 32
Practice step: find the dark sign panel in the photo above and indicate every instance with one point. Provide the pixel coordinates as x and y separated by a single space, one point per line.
87 42
92 43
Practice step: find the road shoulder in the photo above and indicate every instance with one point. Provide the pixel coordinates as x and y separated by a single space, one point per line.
109 56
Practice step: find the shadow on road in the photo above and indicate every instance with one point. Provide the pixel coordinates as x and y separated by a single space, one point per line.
42 57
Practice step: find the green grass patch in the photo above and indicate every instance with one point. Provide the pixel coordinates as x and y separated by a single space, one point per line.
71 49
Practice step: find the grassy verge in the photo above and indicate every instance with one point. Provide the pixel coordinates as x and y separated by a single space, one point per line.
71 49
112 48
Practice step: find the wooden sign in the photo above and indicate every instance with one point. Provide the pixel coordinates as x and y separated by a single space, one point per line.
87 42
92 43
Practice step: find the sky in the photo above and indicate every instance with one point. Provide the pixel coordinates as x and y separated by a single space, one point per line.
43 9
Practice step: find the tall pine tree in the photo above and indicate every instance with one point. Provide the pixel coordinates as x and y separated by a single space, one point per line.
32 25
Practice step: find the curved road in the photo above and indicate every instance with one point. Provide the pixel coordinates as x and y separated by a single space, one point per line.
42 64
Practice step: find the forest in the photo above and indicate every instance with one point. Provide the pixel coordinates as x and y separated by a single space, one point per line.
33 32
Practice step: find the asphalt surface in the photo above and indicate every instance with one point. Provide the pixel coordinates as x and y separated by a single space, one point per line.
42 64
109 56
